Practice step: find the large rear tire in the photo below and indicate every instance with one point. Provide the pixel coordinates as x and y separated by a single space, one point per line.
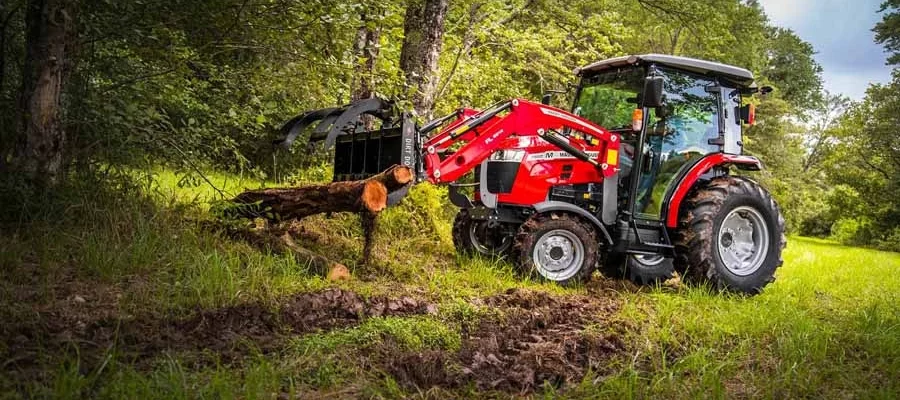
557 247
730 234
484 238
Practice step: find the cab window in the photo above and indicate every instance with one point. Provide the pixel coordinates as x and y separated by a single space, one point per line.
679 133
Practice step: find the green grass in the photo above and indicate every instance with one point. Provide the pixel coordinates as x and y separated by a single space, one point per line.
828 327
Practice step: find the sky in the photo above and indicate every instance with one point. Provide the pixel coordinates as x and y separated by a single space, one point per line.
841 33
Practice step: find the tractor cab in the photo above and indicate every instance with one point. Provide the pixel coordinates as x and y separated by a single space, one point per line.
672 113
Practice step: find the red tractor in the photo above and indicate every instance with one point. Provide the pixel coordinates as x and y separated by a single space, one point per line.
635 180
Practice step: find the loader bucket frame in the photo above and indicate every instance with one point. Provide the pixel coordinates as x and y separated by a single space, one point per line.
359 153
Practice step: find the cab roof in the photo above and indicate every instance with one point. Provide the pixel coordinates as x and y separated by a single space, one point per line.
734 74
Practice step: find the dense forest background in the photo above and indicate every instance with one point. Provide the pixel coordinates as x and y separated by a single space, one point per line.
103 88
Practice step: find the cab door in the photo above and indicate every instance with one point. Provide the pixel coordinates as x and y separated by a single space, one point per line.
676 134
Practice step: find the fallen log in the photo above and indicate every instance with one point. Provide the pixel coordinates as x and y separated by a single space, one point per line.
363 196
367 197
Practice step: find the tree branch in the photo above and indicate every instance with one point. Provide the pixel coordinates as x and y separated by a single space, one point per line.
137 79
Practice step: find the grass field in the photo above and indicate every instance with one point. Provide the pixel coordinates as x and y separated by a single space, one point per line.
137 292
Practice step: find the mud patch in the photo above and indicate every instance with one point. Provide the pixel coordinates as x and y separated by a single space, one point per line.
535 339
228 333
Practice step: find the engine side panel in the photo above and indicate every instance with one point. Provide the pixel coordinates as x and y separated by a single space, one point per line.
542 167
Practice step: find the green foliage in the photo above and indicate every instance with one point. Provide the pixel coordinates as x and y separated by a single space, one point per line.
887 32
865 158
792 69
852 231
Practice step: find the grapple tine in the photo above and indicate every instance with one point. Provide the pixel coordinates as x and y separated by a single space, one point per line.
372 106
292 128
322 128
359 154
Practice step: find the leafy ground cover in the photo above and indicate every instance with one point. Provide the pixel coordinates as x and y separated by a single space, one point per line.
137 292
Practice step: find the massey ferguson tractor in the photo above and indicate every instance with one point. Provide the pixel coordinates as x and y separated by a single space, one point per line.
635 180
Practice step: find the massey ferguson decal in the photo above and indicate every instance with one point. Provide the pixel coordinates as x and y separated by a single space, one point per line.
557 155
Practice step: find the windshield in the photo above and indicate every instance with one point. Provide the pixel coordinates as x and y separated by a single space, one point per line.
609 99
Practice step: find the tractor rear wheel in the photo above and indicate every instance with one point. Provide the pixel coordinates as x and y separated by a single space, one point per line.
485 238
730 234
638 268
557 247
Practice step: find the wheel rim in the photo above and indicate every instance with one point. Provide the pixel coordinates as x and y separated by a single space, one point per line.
478 235
558 255
743 241
649 260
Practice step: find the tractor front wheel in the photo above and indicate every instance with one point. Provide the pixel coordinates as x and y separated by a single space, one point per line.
485 238
730 234
641 269
557 247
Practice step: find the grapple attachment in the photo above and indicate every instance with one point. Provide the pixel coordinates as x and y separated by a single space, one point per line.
360 152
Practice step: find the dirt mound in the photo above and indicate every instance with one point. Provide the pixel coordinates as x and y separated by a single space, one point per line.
535 338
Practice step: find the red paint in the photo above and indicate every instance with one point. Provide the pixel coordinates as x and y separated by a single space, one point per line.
518 130
702 166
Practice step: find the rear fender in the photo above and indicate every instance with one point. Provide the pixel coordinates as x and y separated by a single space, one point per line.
700 168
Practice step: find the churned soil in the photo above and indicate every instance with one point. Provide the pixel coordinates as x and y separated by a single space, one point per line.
528 339
229 332
534 339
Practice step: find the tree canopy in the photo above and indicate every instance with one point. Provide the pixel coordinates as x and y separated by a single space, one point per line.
210 81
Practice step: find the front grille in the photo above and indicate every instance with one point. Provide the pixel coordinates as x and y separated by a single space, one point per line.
501 175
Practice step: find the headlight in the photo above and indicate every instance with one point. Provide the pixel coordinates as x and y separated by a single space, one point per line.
508 155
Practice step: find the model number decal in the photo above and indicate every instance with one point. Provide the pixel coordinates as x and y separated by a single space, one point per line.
493 137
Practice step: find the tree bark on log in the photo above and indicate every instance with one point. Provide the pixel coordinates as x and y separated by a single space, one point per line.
364 196
367 197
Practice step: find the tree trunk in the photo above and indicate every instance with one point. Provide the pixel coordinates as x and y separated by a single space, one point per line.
366 51
423 30
365 196
4 21
49 26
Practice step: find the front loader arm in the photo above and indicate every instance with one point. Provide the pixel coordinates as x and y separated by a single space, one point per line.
484 132
463 140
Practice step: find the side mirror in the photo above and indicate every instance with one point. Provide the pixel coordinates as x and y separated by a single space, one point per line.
653 91
548 95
